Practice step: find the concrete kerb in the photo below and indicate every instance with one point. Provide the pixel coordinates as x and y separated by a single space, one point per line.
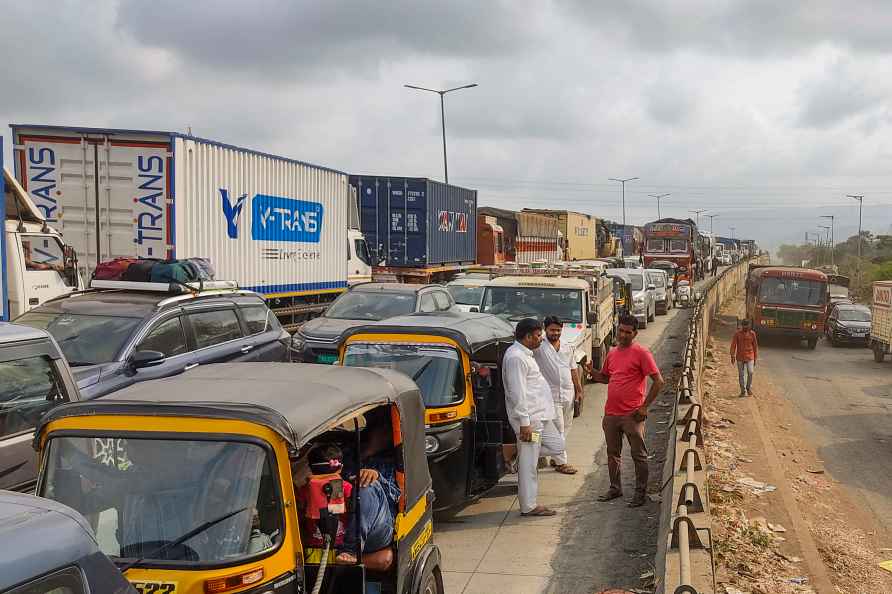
685 541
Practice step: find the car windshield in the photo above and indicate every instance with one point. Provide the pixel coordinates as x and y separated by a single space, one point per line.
28 388
517 303
371 305
137 501
436 370
85 339
466 294
637 282
792 291
854 315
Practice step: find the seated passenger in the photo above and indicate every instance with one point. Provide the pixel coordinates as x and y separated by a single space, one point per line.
326 462
379 492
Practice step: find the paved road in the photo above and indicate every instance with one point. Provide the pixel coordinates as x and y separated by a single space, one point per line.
488 548
846 401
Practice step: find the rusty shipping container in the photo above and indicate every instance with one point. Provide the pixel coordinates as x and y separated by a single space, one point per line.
527 236
579 231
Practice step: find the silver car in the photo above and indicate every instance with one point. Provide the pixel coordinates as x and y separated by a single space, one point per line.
644 304
662 291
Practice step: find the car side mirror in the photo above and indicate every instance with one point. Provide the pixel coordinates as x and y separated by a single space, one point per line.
141 359
475 310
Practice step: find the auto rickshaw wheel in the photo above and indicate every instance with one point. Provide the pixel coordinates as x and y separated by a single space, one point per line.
432 583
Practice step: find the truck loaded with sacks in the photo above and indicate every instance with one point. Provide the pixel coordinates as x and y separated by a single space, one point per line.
274 225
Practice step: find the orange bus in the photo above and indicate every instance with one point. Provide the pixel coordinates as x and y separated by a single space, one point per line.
789 301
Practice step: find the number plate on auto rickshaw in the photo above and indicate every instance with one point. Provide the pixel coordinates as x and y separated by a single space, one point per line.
155 587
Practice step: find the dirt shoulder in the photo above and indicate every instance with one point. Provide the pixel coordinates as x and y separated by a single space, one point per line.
781 523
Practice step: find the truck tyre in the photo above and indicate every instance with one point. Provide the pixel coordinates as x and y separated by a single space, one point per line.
879 352
812 343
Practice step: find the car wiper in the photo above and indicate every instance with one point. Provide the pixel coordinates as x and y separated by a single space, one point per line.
421 369
519 317
195 531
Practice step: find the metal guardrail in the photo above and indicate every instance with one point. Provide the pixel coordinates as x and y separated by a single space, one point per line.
687 547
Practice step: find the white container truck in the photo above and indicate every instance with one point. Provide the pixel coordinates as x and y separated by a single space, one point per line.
37 265
275 225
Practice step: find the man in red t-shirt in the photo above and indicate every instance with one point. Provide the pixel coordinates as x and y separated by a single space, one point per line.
625 372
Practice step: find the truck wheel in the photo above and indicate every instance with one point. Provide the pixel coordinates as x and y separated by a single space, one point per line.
812 343
878 352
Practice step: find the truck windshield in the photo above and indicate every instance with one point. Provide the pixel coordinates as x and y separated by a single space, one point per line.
517 303
84 339
792 291
678 246
368 305
466 294
136 500
656 245
436 370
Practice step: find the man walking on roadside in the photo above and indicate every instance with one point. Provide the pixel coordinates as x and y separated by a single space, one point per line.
530 408
625 372
558 365
744 352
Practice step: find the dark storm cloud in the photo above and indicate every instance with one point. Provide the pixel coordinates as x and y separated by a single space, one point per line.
276 37
749 28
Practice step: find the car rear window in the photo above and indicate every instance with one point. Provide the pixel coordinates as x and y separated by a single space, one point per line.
259 318
214 327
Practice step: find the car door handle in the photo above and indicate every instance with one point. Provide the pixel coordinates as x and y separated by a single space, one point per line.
247 349
190 366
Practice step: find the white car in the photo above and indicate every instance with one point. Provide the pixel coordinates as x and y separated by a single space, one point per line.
467 291
662 291
644 303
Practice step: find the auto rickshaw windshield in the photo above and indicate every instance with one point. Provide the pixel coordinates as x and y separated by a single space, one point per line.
142 495
436 369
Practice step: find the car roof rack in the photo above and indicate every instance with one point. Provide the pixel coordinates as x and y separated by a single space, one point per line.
173 288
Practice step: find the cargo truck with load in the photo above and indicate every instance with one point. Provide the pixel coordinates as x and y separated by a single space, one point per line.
275 225
521 237
418 230
579 231
881 320
37 265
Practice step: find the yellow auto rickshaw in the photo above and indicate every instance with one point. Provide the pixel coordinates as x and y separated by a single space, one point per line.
197 484
455 358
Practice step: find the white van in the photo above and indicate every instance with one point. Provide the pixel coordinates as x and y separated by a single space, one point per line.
467 291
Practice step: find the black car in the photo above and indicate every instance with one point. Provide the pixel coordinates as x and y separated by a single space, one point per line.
113 338
317 341
848 323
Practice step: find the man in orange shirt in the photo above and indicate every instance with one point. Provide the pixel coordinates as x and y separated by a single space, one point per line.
745 351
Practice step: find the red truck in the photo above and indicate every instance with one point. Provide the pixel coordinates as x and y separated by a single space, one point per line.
676 241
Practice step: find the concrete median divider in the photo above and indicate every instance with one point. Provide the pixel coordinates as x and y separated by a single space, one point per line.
684 549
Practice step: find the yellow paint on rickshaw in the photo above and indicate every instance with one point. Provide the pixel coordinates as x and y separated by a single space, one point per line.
191 581
462 409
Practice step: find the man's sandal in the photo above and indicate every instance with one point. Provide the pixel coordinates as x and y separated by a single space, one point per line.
610 495
539 511
565 469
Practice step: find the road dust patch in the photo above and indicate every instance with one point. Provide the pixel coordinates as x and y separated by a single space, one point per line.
757 549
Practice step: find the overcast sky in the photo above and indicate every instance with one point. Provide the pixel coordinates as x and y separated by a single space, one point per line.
765 116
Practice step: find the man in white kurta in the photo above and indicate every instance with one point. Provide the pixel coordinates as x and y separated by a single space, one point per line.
558 365
530 408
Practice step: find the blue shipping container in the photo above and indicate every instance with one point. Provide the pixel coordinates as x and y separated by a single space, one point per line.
411 221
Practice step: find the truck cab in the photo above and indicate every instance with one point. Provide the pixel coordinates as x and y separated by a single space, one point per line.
582 300
38 264
359 262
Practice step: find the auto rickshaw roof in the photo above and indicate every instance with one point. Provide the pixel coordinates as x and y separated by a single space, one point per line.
472 331
297 401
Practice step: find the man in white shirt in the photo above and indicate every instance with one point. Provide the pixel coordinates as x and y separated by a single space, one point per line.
530 408
558 365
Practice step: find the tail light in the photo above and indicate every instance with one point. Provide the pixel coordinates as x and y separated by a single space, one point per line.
232 582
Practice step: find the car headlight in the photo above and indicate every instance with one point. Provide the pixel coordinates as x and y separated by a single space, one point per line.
431 444
298 342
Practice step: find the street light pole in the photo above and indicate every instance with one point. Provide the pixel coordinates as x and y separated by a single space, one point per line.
860 199
698 211
623 182
711 217
442 95
826 229
732 231
659 197
832 238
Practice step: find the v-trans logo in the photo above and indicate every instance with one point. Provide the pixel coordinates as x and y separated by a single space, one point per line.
274 218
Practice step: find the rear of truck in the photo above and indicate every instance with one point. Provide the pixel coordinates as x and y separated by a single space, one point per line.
274 225
881 320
